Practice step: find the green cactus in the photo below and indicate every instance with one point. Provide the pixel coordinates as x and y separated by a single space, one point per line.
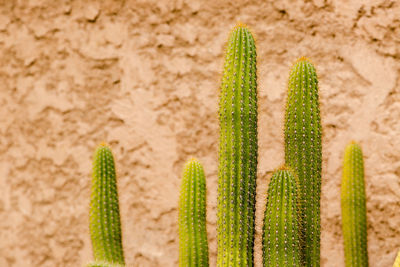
397 261
193 245
281 239
237 151
105 225
354 217
303 152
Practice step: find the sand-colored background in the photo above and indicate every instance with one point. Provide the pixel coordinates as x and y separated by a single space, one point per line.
144 76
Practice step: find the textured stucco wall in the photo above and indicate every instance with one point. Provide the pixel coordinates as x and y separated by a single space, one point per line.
144 76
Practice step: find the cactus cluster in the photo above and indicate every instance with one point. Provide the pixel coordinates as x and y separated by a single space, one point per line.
281 239
303 152
353 202
291 230
237 151
238 165
193 245
105 225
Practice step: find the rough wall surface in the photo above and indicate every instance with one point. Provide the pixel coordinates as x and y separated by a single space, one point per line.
144 76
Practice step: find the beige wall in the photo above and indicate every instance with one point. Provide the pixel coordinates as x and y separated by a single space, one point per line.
144 76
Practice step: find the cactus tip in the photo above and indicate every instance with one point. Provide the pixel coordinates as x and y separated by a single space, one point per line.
193 159
281 168
240 24
303 58
284 167
103 143
353 144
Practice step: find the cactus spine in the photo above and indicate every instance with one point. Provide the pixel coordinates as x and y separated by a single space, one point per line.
105 226
354 218
237 151
281 242
303 152
397 261
193 245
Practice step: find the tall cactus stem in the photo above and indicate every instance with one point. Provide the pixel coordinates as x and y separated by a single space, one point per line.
281 236
105 225
193 245
303 152
354 217
237 151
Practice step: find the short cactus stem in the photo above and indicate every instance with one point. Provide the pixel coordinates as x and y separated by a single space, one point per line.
105 225
237 151
303 152
281 236
354 217
193 245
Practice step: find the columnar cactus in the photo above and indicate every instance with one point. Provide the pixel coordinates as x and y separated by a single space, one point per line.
397 261
303 152
281 239
105 225
354 218
237 151
193 245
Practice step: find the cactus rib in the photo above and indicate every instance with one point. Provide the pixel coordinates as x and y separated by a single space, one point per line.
354 218
303 152
105 225
193 245
281 240
237 151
